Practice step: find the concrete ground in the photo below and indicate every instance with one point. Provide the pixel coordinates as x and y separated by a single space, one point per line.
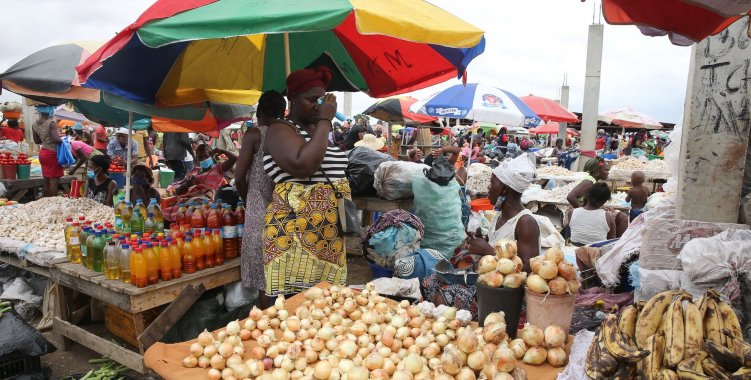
75 361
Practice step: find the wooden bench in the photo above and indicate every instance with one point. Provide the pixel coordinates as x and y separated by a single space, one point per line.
17 188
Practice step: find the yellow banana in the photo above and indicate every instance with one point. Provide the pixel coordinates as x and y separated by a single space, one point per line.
712 323
668 374
690 369
729 321
627 321
711 368
617 345
694 330
742 374
625 371
674 335
739 347
650 366
599 363
651 315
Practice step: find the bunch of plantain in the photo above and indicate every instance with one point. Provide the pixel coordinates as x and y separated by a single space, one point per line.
671 337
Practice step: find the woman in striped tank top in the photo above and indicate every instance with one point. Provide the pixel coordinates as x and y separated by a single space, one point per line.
302 238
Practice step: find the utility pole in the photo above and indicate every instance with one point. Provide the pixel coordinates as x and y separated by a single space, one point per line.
590 110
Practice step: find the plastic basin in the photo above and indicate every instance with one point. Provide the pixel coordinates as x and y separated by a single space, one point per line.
509 301
545 310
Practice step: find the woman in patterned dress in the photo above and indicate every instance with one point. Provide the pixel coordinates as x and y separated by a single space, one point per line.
302 238
256 187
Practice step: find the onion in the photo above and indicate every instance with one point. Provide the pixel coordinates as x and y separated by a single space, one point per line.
257 353
465 374
534 263
234 340
234 360
347 349
196 349
519 347
467 341
494 333
558 286
532 335
504 376
255 334
496 317
249 324
227 373
566 270
514 280
535 356
263 341
451 359
554 254
226 349
204 362
555 336
263 324
241 371
209 351
449 313
476 360
325 333
413 363
255 313
279 374
505 266
233 328
256 367
439 327
402 374
505 248
557 357
537 284
190 361
322 370
487 264
239 350
489 349
548 270
442 340
244 334
205 338
573 286
373 361
214 374
358 373
504 359
271 312
492 279
518 264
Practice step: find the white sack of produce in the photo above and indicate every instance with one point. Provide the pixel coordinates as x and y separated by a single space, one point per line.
440 210
549 235
609 264
711 261
393 180
652 282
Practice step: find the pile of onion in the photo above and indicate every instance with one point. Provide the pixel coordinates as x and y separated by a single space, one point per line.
338 333
502 270
551 274
536 346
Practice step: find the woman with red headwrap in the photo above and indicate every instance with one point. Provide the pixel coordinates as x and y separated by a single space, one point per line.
302 238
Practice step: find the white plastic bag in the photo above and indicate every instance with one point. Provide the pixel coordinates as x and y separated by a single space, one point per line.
656 281
712 261
549 235
393 180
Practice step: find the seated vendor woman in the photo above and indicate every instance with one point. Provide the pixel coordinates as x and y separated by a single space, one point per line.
514 221
597 170
591 223
208 176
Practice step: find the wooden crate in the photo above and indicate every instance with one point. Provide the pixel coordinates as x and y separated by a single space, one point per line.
127 325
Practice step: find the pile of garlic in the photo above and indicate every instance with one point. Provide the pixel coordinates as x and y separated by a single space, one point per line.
42 222
479 178
555 171
629 163
343 335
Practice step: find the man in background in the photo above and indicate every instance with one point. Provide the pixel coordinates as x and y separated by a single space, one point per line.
177 146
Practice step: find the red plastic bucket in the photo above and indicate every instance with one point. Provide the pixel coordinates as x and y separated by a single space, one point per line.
481 204
9 171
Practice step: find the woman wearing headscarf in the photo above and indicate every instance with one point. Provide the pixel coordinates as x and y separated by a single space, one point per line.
48 137
256 187
355 135
514 221
302 237
597 170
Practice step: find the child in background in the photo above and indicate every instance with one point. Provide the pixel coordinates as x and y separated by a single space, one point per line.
638 194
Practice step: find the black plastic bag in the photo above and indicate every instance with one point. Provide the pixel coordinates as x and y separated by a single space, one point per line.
362 165
441 171
17 335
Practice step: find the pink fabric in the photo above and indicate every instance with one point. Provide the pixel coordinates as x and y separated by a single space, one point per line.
86 149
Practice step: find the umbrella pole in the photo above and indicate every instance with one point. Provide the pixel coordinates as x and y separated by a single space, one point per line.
129 154
287 66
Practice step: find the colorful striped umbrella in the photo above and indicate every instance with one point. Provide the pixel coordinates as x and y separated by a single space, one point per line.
683 21
396 110
478 102
49 76
549 110
182 52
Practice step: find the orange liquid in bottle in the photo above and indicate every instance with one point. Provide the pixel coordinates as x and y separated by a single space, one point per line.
218 247
139 268
208 250
176 260
152 265
189 260
165 262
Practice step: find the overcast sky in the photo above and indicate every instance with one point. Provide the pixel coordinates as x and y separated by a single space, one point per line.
530 45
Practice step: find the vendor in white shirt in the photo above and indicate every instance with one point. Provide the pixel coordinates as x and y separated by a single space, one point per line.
591 223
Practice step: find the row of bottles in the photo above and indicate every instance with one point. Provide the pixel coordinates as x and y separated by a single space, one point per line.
138 218
145 259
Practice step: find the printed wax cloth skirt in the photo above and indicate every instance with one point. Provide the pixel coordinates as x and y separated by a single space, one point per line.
302 238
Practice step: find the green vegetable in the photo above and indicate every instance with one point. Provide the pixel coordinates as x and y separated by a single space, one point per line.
7 309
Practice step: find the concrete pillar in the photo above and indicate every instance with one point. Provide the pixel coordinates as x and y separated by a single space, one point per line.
347 104
590 109
564 102
716 126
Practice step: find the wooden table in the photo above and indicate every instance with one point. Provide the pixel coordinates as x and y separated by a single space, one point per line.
368 205
17 188
137 303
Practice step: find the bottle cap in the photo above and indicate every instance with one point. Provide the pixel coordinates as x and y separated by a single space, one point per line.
125 246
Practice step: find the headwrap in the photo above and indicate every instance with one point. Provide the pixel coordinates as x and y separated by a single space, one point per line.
49 110
517 174
303 80
77 127
592 165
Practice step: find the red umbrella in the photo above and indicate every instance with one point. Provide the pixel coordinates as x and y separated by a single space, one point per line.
552 129
685 22
549 110
396 110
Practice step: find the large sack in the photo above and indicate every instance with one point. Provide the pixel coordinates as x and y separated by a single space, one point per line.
440 210
393 179
361 169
